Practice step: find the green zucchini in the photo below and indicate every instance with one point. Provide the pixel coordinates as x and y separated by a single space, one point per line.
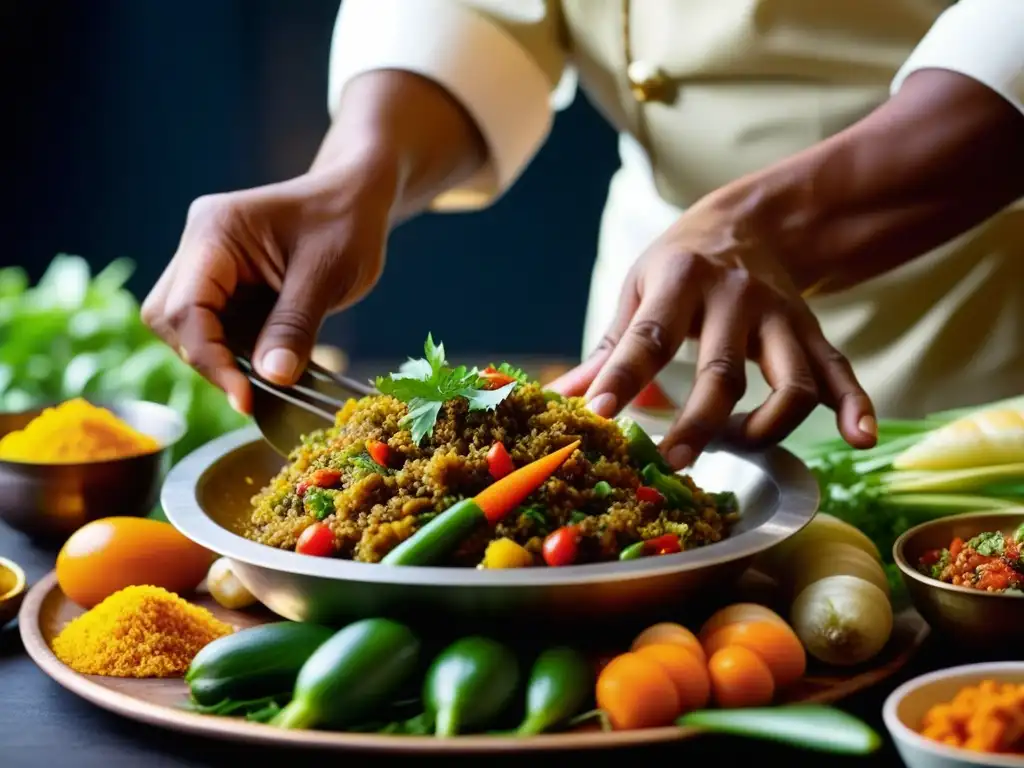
641 448
469 684
354 673
560 682
253 663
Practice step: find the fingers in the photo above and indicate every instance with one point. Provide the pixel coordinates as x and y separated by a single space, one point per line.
152 309
720 380
202 343
855 414
575 383
648 342
788 372
290 331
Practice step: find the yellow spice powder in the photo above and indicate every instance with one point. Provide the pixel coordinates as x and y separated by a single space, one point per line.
73 432
138 632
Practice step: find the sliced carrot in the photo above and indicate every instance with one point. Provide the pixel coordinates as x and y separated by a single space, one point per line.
503 496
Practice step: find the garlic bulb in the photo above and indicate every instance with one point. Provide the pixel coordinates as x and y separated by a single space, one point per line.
225 587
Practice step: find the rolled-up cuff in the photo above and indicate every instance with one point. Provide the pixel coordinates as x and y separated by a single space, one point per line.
479 64
982 39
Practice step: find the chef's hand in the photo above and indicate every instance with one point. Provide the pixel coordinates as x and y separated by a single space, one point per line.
710 278
318 240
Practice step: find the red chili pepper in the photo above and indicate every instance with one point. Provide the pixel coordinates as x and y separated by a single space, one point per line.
378 451
663 545
562 546
324 478
954 547
499 463
649 495
317 540
495 379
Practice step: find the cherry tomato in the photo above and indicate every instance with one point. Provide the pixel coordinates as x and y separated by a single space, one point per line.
562 546
664 545
324 478
317 540
499 463
378 451
649 495
495 379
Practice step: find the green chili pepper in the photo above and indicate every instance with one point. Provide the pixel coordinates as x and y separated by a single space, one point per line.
642 450
560 682
358 670
435 540
634 551
671 487
469 684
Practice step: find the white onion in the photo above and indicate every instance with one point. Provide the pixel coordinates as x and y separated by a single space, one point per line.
225 587
842 620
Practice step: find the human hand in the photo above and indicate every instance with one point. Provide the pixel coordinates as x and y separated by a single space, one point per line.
710 277
318 240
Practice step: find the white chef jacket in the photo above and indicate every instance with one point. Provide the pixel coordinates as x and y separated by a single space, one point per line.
755 81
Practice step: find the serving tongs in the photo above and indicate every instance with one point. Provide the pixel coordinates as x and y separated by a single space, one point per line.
284 415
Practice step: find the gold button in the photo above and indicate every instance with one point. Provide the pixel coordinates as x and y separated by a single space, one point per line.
648 82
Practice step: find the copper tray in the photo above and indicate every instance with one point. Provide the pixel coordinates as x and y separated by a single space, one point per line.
159 702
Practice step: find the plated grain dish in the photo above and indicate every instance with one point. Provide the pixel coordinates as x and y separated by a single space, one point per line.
438 437
991 561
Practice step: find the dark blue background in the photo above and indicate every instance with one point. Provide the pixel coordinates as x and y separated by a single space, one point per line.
119 112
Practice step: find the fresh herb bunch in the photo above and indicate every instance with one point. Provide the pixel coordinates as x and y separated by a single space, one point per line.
426 384
75 334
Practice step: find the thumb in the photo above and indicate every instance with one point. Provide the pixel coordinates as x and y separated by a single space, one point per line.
290 331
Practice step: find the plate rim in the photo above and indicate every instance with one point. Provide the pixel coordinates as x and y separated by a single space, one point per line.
799 497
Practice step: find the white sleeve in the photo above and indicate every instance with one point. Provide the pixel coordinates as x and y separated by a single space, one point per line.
501 59
982 39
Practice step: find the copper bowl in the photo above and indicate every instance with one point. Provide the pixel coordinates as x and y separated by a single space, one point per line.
968 617
49 502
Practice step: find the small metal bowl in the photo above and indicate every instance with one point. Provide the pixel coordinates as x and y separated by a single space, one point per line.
980 620
906 707
12 590
208 495
49 502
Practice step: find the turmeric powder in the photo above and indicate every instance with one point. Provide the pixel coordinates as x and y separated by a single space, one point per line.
73 432
141 631
988 717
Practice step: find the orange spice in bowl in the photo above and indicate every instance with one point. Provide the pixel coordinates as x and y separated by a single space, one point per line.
987 717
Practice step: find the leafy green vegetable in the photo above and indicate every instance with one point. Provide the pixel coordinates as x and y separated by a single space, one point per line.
365 463
990 544
78 335
426 384
319 502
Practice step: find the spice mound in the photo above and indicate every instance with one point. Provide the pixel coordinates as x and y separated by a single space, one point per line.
988 717
75 431
138 632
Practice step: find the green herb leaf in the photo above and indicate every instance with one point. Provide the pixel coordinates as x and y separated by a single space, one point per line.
425 385
988 544
536 513
510 370
319 502
365 463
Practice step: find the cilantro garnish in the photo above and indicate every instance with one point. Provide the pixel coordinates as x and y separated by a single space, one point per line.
426 384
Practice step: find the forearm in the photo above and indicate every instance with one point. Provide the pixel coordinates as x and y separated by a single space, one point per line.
940 157
402 127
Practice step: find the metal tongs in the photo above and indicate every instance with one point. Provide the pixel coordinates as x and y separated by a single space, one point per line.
284 414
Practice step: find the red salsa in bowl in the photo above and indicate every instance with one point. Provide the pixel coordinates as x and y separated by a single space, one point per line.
989 562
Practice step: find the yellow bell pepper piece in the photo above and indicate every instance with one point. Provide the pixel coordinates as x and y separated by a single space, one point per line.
505 553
